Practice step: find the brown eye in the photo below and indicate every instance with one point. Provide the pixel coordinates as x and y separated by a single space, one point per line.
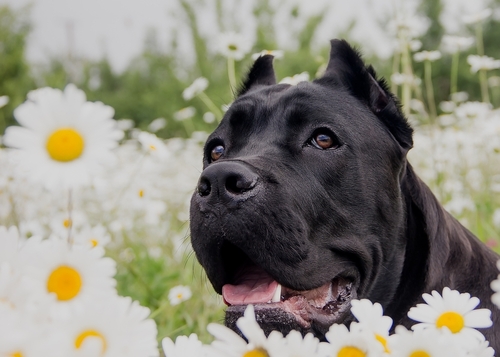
217 152
324 140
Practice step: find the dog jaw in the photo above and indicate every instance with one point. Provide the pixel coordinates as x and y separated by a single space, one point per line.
306 310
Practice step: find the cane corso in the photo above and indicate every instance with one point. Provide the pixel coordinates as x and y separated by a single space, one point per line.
307 201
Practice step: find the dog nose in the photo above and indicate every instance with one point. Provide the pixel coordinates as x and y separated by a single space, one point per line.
232 179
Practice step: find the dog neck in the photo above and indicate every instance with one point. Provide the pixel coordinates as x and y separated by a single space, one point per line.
440 252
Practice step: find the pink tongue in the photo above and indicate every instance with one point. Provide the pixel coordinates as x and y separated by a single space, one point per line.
254 286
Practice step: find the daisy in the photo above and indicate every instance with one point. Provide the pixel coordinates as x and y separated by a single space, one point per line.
427 56
477 17
125 124
115 327
178 294
371 318
228 343
198 86
459 97
356 343
401 78
454 44
233 45
277 54
61 223
184 113
63 139
157 124
184 346
481 349
153 145
297 346
415 45
422 343
4 100
478 63
296 79
453 311
209 117
495 284
250 328
447 106
22 335
92 236
65 277
472 110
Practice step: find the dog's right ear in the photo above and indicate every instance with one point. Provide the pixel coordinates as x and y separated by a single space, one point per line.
346 69
261 73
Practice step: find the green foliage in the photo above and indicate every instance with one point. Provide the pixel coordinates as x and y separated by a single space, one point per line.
148 279
15 80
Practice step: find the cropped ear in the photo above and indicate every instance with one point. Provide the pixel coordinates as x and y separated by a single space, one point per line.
261 73
346 69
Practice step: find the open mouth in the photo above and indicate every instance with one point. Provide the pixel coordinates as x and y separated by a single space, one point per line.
321 306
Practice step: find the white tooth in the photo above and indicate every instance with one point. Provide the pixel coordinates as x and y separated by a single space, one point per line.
277 294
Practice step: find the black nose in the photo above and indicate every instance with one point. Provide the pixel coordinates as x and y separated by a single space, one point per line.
227 179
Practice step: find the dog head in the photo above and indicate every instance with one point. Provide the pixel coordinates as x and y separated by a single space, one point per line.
299 207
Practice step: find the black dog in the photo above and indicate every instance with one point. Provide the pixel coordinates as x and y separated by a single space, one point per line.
307 201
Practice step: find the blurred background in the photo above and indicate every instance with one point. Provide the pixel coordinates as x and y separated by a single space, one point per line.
140 57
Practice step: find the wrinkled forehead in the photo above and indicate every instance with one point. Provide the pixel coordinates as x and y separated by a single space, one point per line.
284 106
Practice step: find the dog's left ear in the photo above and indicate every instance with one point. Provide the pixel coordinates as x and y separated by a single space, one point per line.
346 69
262 73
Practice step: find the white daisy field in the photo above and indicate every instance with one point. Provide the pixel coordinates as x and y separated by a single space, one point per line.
98 167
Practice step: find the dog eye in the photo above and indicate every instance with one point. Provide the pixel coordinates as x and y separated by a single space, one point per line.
324 140
217 152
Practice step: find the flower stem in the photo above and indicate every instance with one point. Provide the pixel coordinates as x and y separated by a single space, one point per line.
210 105
406 64
160 308
395 69
430 90
479 39
231 72
454 73
483 80
188 126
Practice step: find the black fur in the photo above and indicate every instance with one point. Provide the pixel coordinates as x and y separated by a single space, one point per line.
261 73
356 211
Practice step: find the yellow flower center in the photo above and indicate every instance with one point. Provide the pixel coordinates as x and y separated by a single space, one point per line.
419 353
350 351
65 282
152 147
141 193
90 334
65 145
383 341
179 296
257 352
16 354
67 223
453 320
94 242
